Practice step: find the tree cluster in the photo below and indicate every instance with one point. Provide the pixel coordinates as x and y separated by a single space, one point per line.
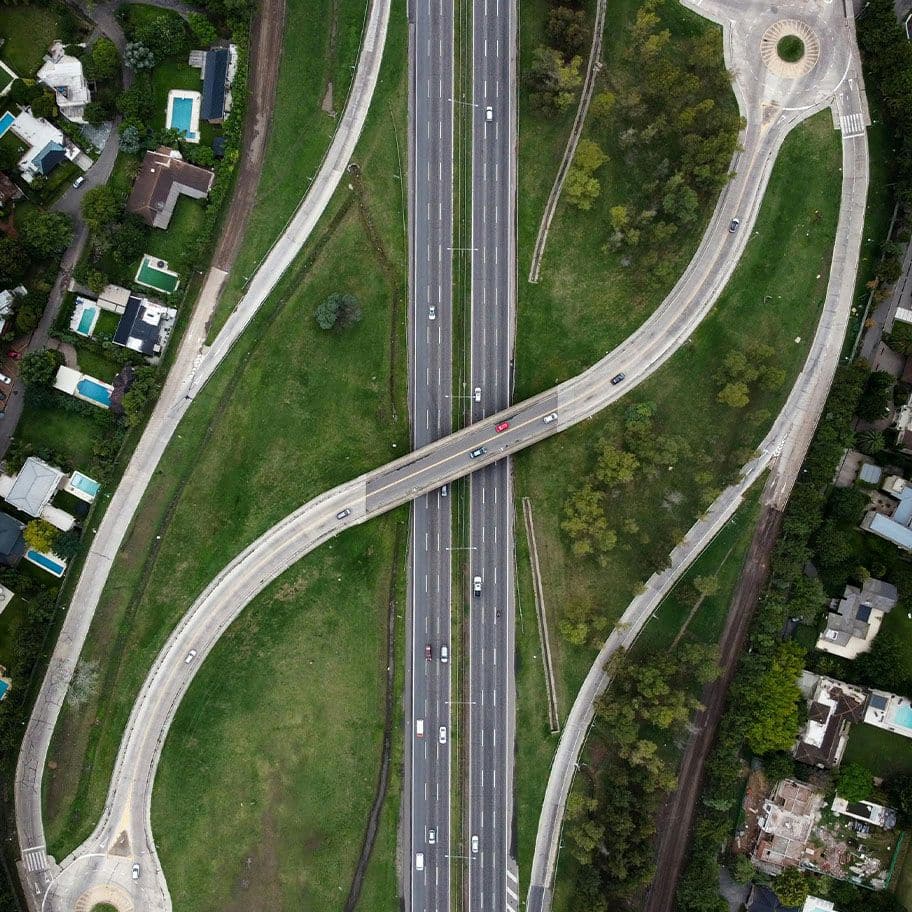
740 370
610 830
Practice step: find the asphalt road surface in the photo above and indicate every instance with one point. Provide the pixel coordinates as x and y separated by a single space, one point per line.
430 364
490 696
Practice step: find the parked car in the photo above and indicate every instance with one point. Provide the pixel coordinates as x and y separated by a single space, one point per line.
8 381
14 354
78 182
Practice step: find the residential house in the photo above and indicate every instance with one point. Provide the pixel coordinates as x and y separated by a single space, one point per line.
12 544
891 712
218 66
8 304
764 899
33 488
789 816
891 515
832 707
163 177
145 326
64 75
48 146
854 619
866 812
816 904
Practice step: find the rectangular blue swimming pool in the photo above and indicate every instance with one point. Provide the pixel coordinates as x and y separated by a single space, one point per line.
94 391
182 115
85 484
4 687
45 562
85 322
6 122
903 716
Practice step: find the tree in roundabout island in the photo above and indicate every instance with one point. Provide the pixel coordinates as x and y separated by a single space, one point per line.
338 311
790 48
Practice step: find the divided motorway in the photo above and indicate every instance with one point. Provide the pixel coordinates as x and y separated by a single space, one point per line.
430 366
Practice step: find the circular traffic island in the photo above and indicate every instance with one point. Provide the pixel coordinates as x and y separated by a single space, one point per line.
790 48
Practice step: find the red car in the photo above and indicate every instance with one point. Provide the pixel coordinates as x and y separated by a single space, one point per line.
502 426
14 355
428 652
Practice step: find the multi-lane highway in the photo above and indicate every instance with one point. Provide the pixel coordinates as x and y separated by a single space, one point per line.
430 374
124 833
489 696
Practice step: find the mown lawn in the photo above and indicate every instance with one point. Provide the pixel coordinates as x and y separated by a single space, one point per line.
177 242
10 621
293 411
301 131
783 260
63 432
882 752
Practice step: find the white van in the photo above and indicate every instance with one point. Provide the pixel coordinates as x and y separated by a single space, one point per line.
419 861
419 728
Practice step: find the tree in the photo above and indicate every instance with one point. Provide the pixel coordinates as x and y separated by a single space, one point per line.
100 207
39 367
29 309
141 391
138 101
602 106
13 260
854 782
586 523
68 544
615 466
806 599
899 788
887 663
45 234
553 81
95 113
338 311
138 57
735 395
203 30
706 585
567 29
900 339
163 35
103 59
679 201
582 188
130 139
128 240
875 398
792 887
40 535
742 870
870 442
44 105
773 707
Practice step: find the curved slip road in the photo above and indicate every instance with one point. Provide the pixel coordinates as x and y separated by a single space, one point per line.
193 366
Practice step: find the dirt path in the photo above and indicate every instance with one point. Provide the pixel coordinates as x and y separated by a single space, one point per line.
265 40
677 815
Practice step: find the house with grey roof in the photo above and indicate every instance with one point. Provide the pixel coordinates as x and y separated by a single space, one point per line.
854 619
12 544
33 488
892 518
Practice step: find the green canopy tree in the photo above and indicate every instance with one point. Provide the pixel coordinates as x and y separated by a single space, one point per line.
773 706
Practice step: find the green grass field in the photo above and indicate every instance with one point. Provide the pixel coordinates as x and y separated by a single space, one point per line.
301 131
10 620
784 259
882 752
255 445
64 432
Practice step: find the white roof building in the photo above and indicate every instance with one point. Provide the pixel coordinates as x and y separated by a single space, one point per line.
47 145
64 75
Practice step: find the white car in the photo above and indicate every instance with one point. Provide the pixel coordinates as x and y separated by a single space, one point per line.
474 845
441 735
6 381
476 585
444 654
78 182
549 418
432 837
135 870
489 113
190 657
477 394
419 861
432 312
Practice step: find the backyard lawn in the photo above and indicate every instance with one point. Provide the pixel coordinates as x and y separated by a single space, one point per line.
882 752
178 241
71 435
10 620
293 411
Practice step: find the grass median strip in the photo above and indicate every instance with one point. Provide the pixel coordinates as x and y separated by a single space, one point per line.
775 295
293 411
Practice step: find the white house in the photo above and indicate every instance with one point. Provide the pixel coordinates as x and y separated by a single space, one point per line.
64 75
47 146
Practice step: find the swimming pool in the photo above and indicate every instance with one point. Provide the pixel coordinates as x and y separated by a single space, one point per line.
154 273
6 122
903 716
94 391
84 483
86 321
181 114
45 562
4 687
